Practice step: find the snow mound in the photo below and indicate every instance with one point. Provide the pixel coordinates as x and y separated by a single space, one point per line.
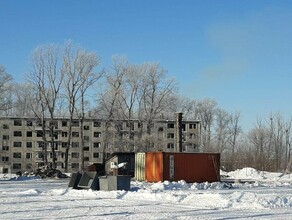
246 173
167 185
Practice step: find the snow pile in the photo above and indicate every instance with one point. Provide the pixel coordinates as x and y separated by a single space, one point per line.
246 173
167 185
253 174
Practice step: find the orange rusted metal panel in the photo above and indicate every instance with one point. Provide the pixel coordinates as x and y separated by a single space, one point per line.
191 167
154 166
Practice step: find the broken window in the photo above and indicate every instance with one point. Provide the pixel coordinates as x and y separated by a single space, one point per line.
29 144
17 122
95 155
97 124
17 144
29 134
17 155
170 125
16 166
75 155
170 145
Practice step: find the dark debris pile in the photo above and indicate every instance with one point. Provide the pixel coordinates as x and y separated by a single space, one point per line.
44 172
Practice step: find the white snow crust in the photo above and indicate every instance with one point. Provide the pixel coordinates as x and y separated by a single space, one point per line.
253 195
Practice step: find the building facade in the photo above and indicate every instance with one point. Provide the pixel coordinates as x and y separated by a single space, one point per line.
23 141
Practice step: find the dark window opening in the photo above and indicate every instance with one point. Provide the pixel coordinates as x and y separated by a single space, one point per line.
75 155
16 155
75 134
170 125
17 122
75 123
86 158
96 134
170 135
40 133
64 123
17 133
96 144
64 144
95 155
28 123
16 166
5 159
64 134
29 134
16 144
192 126
75 144
5 137
97 124
74 165
5 148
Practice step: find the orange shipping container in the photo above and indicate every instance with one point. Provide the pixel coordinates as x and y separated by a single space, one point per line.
191 167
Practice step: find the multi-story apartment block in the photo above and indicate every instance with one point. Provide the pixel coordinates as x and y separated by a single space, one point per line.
22 141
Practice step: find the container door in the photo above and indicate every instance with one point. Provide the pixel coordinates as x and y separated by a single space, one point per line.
140 166
154 167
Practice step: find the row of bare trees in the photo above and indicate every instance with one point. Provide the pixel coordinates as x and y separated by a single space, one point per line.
270 144
57 85
62 79
266 147
140 92
67 81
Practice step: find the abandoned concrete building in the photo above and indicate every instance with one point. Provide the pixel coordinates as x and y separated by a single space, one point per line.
22 140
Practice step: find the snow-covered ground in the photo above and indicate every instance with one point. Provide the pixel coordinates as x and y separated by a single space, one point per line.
263 196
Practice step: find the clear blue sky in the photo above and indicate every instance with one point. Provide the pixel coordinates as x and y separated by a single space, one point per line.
238 52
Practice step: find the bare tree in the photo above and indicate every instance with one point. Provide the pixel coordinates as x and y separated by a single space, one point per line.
46 79
259 141
181 104
111 105
23 100
89 78
235 131
279 140
288 146
131 85
77 65
205 112
154 95
222 130
134 91
5 90
269 144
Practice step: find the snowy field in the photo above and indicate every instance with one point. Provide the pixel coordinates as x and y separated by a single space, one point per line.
264 196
